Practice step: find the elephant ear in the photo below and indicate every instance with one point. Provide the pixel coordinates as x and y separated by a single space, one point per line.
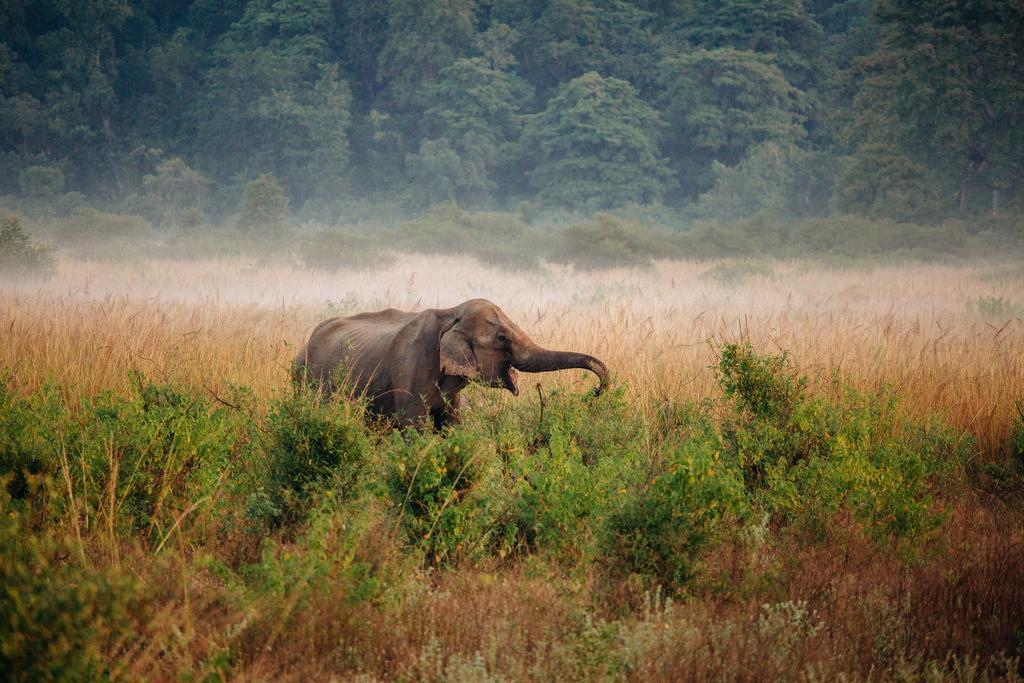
456 357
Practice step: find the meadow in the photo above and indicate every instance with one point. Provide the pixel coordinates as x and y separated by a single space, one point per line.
803 471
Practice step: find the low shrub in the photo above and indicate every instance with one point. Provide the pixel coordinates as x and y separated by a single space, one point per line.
58 617
434 482
97 234
312 445
807 459
607 241
662 528
563 467
736 273
19 254
338 250
501 239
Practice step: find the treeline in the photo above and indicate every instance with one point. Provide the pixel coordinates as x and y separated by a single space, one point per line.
896 109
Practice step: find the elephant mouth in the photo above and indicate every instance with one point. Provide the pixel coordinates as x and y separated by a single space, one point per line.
508 380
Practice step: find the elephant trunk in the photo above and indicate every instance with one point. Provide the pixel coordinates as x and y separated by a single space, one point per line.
533 358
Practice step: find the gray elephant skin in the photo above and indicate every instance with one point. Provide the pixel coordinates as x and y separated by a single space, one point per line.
412 366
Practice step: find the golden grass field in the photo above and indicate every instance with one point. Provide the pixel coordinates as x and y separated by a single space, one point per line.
948 340
915 330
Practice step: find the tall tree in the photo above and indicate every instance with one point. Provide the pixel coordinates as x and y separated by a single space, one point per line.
719 104
422 39
598 146
274 104
945 89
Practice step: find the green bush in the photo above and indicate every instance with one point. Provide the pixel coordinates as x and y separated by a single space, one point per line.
497 238
1017 437
57 617
337 250
737 272
806 458
662 529
18 253
264 206
607 241
312 444
434 482
562 470
97 234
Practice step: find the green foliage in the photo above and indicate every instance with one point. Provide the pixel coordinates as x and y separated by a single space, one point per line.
719 104
433 481
880 182
598 146
312 445
264 206
564 470
333 250
496 238
780 180
41 182
662 529
737 272
1017 437
95 233
176 188
607 241
57 616
807 459
19 254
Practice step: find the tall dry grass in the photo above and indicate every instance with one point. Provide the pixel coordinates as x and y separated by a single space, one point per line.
923 332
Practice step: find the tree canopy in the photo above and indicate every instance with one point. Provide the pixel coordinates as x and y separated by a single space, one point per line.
911 110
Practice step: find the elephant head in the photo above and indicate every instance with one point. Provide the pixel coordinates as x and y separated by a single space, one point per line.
480 344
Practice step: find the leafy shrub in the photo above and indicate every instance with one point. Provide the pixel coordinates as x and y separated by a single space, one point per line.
96 233
562 470
606 241
57 617
662 529
493 237
433 481
264 205
334 250
19 253
806 458
312 444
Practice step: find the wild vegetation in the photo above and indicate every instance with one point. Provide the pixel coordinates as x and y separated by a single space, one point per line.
193 112
800 471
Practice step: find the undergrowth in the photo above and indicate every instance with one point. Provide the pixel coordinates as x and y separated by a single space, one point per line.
306 540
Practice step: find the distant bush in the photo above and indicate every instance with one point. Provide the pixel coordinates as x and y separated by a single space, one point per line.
41 182
94 233
606 241
264 205
737 272
497 238
20 254
342 250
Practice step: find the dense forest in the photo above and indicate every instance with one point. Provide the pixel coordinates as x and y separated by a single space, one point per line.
905 110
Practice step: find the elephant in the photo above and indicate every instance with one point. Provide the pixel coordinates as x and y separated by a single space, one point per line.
412 366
